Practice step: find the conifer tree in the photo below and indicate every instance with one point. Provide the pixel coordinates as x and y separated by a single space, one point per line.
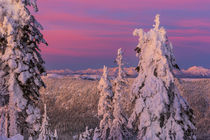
21 67
120 62
46 133
105 105
160 112
119 130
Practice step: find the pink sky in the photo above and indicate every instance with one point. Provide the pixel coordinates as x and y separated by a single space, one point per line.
87 33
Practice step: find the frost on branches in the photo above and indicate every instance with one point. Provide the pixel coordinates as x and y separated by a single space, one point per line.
105 105
106 94
120 62
119 130
21 67
160 112
46 133
113 125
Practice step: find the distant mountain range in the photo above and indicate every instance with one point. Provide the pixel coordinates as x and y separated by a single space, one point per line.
192 72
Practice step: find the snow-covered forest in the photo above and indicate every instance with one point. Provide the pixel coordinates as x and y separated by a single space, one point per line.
73 104
153 105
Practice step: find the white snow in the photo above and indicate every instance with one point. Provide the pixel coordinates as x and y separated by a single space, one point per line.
118 128
18 28
16 137
105 104
24 76
157 22
197 71
54 76
45 132
106 93
12 64
158 103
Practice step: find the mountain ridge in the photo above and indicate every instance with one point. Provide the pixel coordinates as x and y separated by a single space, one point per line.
191 72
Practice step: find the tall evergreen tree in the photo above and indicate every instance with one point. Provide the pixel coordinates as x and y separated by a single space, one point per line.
119 130
46 133
105 106
21 67
160 112
120 62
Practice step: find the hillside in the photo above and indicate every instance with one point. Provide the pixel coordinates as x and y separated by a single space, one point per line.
72 104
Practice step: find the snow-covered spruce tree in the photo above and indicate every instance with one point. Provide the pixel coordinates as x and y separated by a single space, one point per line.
46 133
120 62
21 66
119 130
105 105
160 113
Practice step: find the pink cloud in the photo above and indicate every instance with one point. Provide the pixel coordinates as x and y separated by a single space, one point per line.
187 32
94 43
135 4
85 19
203 39
74 41
193 23
192 42
80 43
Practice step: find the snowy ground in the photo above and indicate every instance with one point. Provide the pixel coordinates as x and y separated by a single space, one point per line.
72 104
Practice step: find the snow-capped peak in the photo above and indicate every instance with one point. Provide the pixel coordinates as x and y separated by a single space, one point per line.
197 71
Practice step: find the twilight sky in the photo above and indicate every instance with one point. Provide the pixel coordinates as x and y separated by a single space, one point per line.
87 33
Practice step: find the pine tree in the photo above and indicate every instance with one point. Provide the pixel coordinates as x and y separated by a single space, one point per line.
21 66
119 129
105 105
46 133
160 112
